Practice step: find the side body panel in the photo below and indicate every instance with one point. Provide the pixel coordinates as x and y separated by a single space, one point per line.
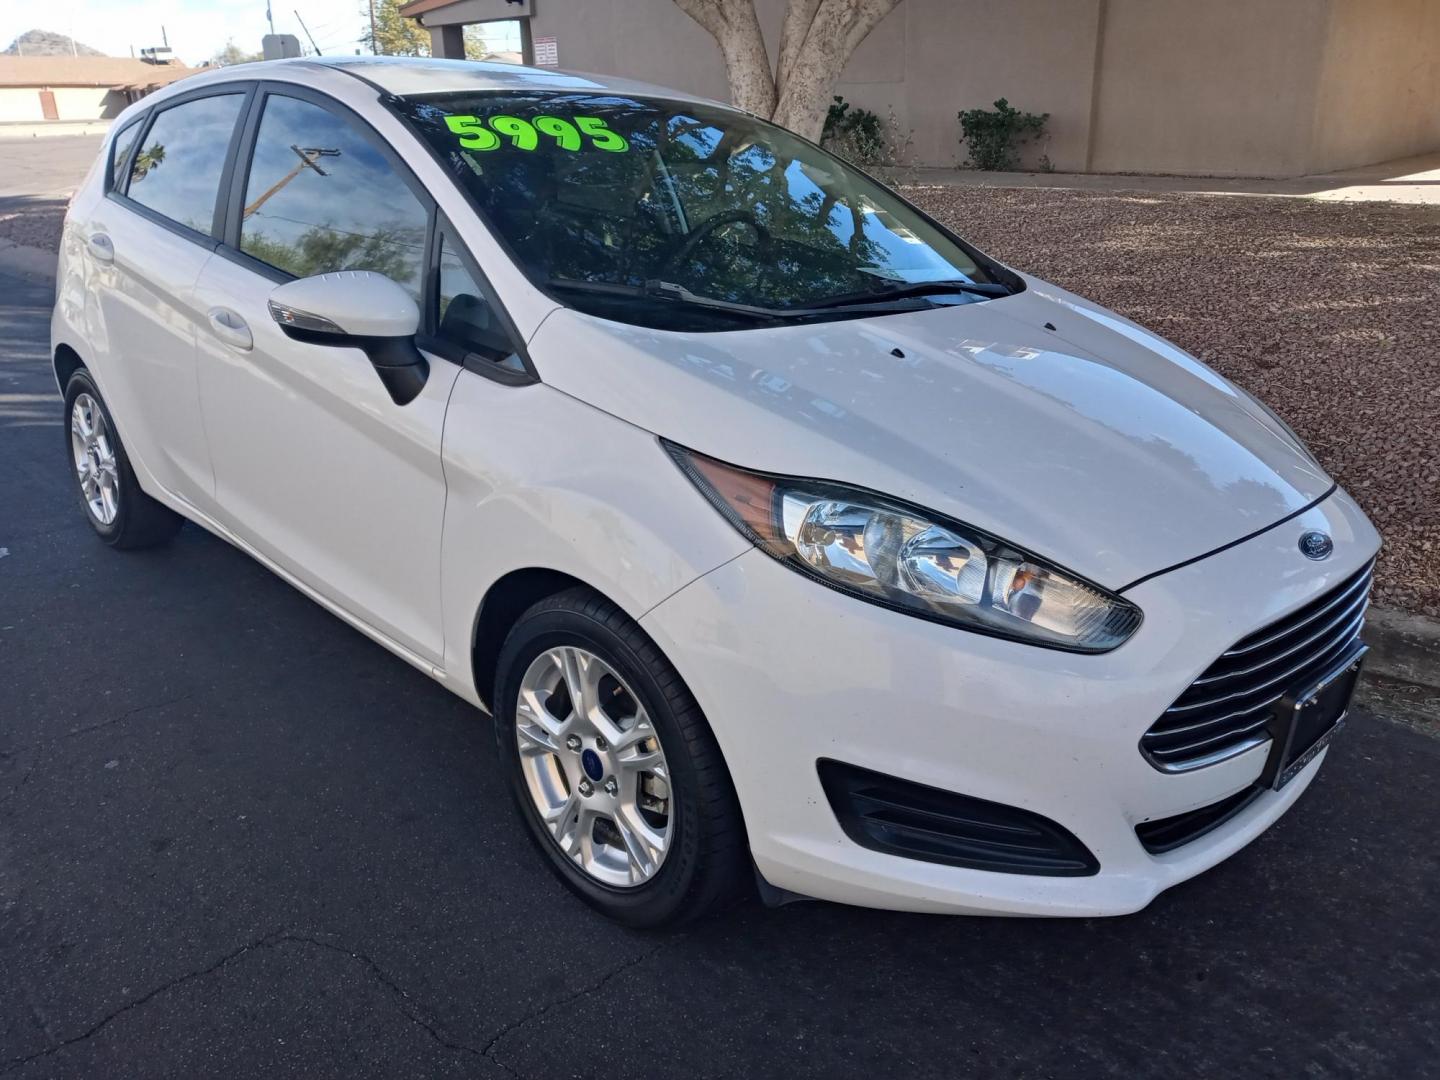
133 322
538 479
320 470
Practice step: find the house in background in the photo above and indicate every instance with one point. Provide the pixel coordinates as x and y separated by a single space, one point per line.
76 88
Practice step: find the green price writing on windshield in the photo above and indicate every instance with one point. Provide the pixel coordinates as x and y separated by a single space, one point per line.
474 134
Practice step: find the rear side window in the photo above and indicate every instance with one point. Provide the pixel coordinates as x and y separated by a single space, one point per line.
177 170
322 197
120 154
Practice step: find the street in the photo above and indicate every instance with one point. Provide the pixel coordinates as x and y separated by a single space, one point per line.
238 838
45 167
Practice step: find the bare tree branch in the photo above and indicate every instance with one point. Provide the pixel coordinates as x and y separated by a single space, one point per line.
817 38
707 13
799 14
867 17
836 29
736 29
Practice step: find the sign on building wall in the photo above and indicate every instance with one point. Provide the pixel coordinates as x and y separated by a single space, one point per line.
547 52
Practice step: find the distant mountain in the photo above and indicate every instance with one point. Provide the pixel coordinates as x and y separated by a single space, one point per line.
48 43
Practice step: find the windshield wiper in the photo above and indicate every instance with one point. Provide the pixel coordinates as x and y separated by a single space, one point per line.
912 289
897 300
668 290
679 292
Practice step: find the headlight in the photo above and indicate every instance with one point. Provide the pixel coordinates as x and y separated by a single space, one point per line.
909 559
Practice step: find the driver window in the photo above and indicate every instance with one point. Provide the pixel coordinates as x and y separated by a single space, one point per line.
467 318
322 197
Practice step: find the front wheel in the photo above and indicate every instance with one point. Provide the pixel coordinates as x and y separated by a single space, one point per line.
614 769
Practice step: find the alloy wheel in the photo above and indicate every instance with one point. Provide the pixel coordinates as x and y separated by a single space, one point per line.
96 467
593 766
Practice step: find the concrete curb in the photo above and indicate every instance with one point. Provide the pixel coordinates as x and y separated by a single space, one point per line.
47 129
1402 672
1404 647
30 262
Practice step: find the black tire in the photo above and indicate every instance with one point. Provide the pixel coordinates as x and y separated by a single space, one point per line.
707 863
140 521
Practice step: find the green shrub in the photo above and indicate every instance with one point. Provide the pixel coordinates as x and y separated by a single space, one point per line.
993 137
854 133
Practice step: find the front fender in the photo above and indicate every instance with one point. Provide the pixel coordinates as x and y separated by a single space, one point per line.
537 479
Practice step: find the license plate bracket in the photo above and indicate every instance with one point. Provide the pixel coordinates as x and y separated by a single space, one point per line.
1305 720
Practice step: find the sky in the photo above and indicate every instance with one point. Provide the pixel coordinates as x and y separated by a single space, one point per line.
197 29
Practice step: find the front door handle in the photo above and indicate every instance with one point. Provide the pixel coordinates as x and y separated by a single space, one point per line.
231 329
102 247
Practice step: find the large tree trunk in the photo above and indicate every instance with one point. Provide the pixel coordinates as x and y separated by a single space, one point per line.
735 28
816 40
836 28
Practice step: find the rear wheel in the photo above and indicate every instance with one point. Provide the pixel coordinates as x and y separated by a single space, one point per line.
120 513
614 769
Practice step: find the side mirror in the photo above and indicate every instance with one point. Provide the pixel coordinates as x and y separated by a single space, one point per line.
357 309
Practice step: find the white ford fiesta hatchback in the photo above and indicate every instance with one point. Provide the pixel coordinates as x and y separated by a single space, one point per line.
787 537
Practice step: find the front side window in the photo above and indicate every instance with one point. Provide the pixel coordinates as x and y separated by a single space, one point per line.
321 197
177 170
622 206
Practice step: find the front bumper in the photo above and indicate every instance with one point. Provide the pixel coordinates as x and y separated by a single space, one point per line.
789 672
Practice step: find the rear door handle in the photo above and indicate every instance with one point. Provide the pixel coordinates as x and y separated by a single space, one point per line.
231 329
102 247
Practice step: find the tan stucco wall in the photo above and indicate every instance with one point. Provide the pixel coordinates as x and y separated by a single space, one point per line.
87 103
20 103
1379 91
931 58
71 103
1219 87
927 77
651 40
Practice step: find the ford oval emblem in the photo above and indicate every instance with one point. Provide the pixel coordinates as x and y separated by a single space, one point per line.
1316 545
590 762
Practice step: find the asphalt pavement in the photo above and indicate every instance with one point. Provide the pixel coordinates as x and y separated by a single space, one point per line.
44 165
237 838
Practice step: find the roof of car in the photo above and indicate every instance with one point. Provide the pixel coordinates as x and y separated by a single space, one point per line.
406 75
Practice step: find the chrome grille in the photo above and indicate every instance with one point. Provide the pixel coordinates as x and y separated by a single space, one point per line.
1225 711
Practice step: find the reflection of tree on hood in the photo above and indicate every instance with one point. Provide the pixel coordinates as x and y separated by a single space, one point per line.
147 159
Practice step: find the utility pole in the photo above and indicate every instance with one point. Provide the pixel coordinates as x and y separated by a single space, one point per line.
269 17
374 49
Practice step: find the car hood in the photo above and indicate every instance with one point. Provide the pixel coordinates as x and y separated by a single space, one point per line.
1040 417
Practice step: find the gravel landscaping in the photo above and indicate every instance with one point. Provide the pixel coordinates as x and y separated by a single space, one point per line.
32 222
1329 312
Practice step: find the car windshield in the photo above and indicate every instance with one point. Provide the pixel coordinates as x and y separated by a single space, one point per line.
682 215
